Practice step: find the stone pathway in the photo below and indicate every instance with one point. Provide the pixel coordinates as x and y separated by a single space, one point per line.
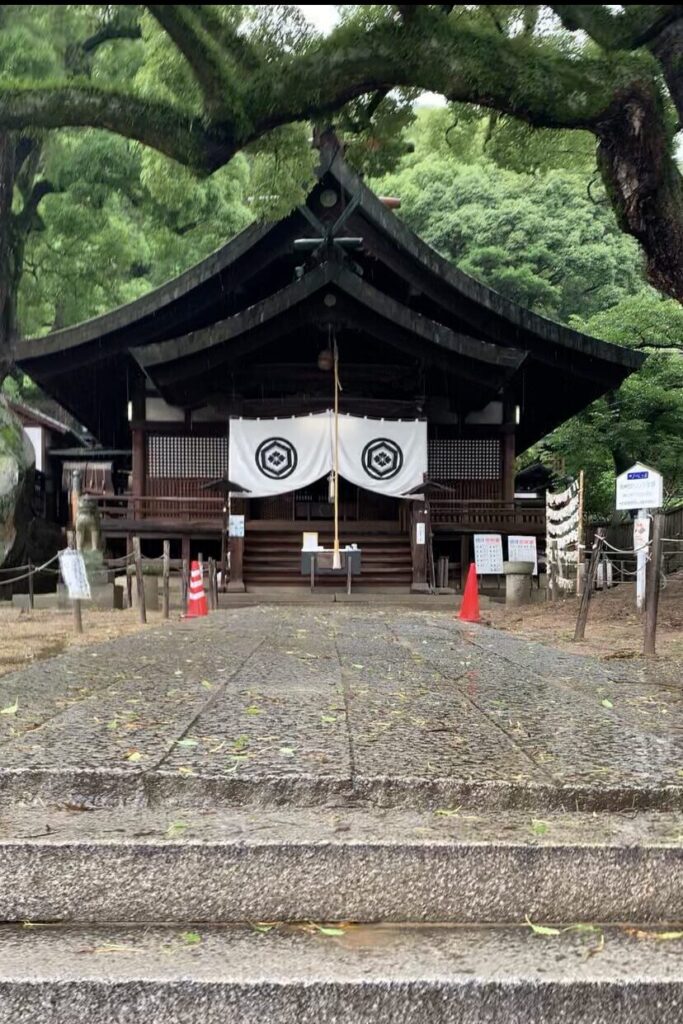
353 701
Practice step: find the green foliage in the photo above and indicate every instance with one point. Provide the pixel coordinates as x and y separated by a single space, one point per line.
122 220
643 420
543 235
539 239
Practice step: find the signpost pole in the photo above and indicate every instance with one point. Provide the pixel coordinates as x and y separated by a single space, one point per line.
640 539
78 618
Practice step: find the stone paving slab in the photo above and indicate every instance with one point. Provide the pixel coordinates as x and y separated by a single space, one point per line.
370 974
375 703
131 724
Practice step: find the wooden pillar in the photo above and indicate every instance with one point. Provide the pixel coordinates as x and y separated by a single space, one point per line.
507 443
464 559
139 469
185 548
138 403
236 581
419 539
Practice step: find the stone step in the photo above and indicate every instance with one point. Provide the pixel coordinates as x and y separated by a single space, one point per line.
334 863
365 975
177 786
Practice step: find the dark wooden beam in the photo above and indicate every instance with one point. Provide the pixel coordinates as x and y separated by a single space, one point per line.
520 325
173 359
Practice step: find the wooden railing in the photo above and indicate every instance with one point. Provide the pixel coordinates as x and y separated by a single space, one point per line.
187 509
446 511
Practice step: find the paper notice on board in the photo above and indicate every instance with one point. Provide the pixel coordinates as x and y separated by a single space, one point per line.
488 554
72 568
523 549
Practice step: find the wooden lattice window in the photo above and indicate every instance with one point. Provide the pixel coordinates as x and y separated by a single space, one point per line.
181 455
464 459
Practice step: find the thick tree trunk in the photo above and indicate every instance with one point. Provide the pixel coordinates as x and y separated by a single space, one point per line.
7 267
645 186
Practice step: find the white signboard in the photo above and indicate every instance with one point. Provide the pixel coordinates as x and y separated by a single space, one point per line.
72 568
639 487
236 526
523 549
488 554
420 533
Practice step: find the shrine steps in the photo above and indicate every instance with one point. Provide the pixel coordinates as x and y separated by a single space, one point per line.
273 559
358 915
130 865
354 975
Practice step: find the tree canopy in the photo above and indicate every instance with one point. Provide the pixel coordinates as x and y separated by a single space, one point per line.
517 198
543 234
220 77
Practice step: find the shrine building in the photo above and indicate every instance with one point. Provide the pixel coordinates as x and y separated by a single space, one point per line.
228 372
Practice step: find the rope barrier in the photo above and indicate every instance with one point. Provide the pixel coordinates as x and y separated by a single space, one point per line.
112 562
627 551
26 576
628 572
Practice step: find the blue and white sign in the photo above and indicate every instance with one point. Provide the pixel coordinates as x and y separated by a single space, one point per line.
639 487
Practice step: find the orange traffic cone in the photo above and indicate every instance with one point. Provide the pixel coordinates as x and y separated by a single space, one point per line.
469 609
196 599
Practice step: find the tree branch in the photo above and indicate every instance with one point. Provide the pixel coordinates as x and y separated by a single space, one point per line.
26 216
635 25
521 76
208 60
110 32
659 346
160 125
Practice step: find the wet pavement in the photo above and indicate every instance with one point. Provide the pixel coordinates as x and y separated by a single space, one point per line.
344 699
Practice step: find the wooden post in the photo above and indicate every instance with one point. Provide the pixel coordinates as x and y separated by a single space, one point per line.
167 579
185 549
215 584
138 482
184 584
78 619
139 580
129 577
236 583
589 584
653 583
209 586
464 560
552 581
580 542
224 548
30 585
419 539
508 461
